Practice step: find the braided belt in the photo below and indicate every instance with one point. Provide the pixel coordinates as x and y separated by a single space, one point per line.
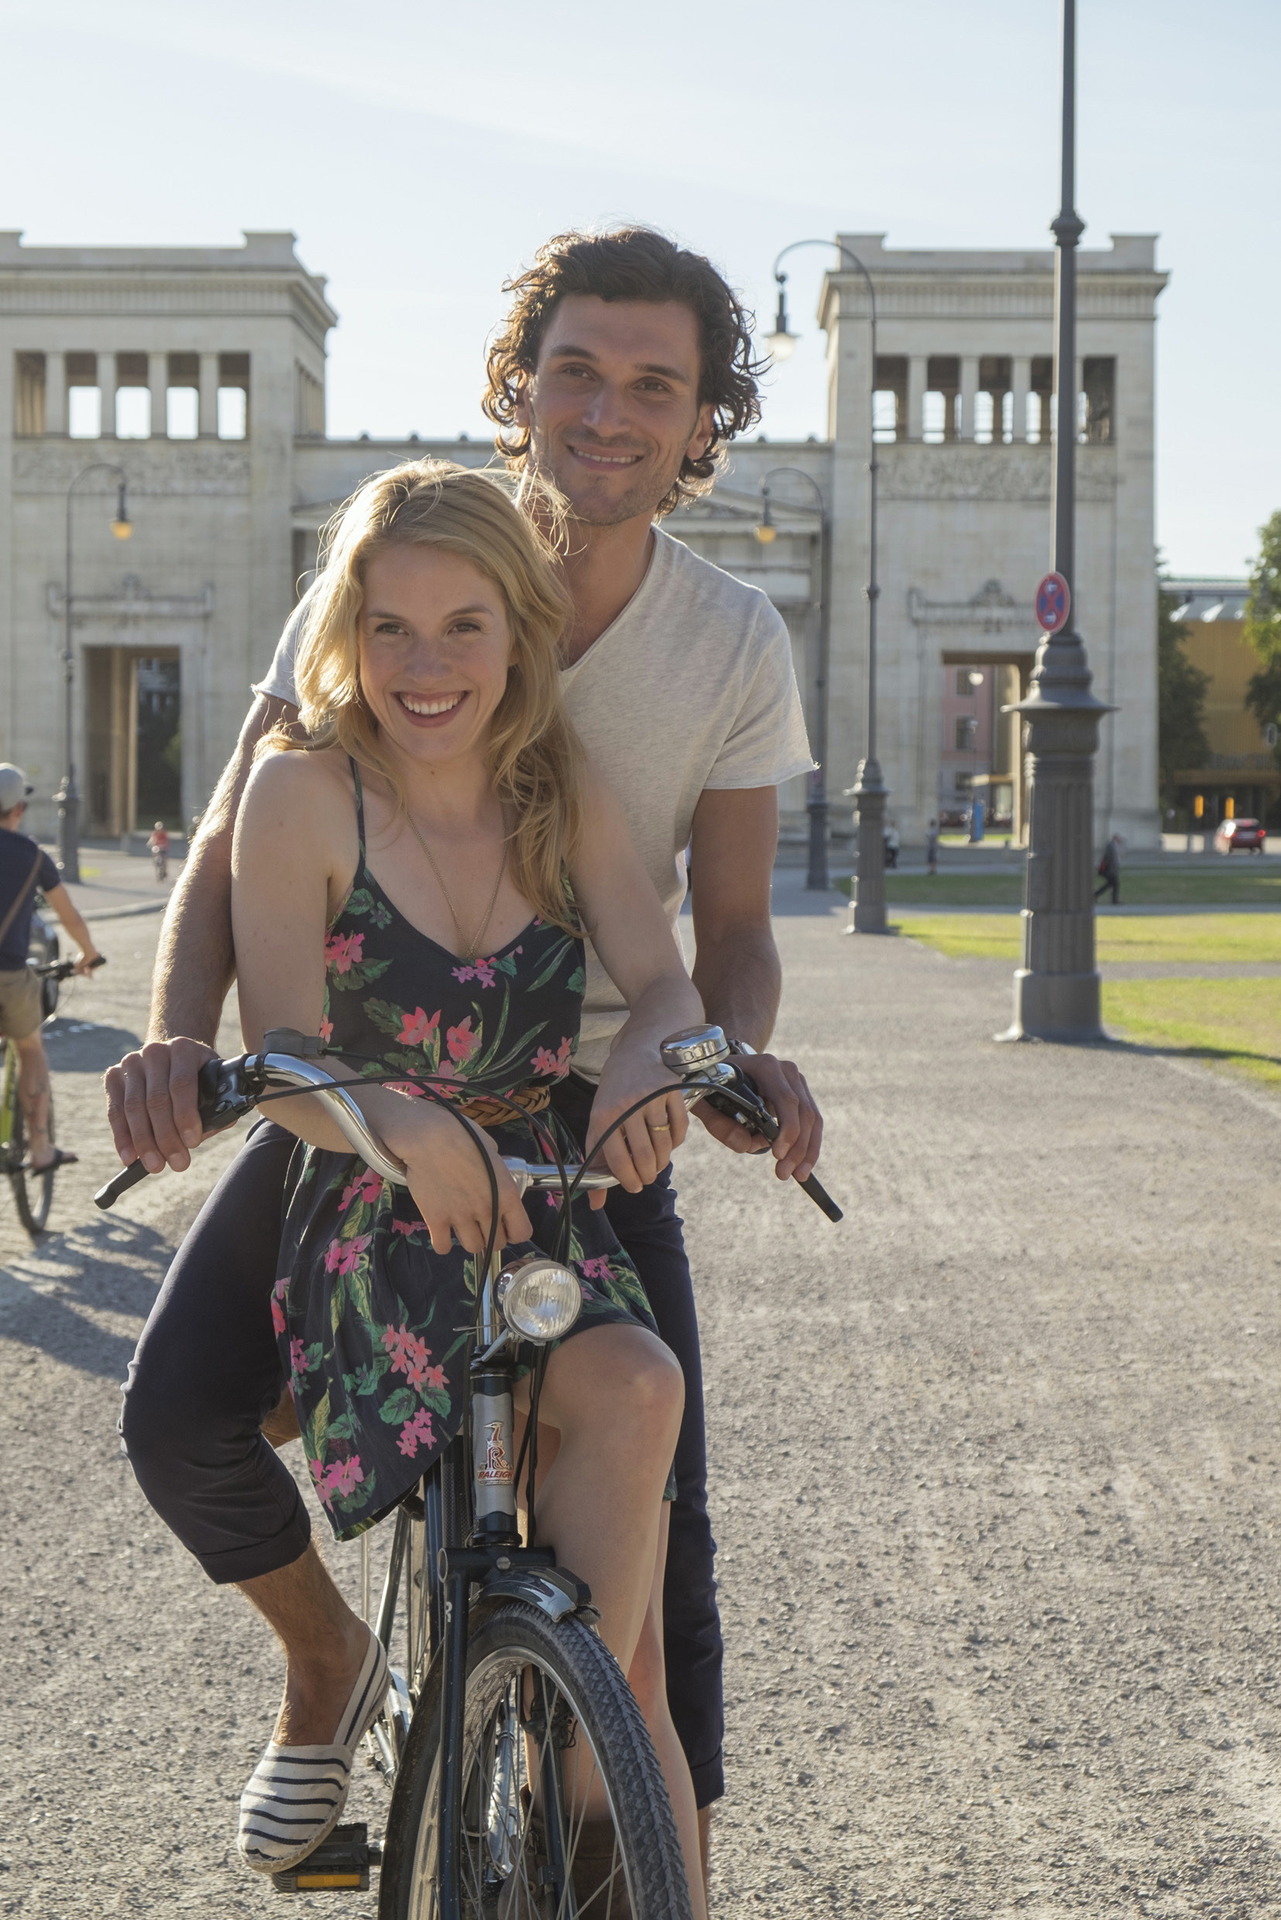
487 1111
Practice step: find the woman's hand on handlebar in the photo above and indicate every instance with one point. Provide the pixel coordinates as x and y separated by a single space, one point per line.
448 1184
152 1103
637 1153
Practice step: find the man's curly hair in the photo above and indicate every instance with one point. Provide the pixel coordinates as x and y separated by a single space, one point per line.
630 263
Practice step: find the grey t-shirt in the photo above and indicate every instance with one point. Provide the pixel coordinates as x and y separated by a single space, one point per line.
691 688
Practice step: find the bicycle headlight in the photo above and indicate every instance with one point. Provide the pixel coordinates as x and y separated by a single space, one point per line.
538 1298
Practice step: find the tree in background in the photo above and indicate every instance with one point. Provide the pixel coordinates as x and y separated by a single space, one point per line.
1263 629
1181 688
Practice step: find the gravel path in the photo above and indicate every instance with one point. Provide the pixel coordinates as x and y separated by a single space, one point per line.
995 1482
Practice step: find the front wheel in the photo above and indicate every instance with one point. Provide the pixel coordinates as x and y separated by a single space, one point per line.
32 1192
561 1788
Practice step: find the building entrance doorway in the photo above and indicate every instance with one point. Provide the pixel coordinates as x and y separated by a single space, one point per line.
981 757
133 739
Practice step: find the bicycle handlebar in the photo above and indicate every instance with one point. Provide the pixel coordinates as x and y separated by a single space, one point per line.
230 1088
63 969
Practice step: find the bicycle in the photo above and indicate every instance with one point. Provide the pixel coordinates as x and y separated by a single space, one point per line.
32 1189
505 1710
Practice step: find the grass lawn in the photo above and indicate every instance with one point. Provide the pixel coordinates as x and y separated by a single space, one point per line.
1194 939
1229 1023
1234 1024
1221 884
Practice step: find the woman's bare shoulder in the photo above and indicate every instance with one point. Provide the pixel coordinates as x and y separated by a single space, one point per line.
300 781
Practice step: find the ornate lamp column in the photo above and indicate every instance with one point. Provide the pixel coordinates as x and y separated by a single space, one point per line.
1056 990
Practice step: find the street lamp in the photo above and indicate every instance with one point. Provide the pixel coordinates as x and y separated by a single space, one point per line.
1056 990
867 913
817 879
67 798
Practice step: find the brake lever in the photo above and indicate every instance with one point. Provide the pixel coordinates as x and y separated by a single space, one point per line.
222 1099
740 1102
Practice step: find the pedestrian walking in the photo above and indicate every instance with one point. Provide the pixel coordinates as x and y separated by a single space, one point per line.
932 847
1109 870
891 845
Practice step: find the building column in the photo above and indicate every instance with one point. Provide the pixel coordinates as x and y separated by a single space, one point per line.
107 393
917 381
208 396
55 393
1022 375
969 387
158 381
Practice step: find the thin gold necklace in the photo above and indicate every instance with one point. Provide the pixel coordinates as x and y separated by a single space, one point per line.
470 948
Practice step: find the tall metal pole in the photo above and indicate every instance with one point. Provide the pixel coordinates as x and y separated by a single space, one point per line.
869 792
67 798
1056 990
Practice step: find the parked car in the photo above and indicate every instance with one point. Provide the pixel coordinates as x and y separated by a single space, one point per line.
1248 835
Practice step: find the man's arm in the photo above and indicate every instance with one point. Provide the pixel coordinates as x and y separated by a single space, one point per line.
60 900
736 968
151 1095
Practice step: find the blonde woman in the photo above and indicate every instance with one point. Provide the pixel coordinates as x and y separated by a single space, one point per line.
414 887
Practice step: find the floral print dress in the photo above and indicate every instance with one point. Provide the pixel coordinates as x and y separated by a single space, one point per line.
372 1323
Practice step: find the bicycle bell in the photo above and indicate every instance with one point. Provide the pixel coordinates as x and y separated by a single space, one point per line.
694 1050
539 1298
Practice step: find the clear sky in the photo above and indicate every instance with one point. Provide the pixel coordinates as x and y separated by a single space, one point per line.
421 151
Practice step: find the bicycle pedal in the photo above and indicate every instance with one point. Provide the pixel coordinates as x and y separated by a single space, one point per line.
340 1864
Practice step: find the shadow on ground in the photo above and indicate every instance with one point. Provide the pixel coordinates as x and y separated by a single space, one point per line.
67 1296
81 1046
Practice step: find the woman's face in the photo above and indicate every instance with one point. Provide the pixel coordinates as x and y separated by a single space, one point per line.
435 647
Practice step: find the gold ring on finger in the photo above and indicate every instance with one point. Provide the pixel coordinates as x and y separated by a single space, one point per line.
655 1127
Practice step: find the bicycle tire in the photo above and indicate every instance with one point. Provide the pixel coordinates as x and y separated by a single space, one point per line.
32 1192
502 1881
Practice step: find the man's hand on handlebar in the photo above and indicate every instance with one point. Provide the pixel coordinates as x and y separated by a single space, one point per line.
783 1087
151 1103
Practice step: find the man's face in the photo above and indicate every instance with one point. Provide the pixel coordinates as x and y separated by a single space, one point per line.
613 409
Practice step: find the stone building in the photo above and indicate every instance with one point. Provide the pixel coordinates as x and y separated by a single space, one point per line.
200 374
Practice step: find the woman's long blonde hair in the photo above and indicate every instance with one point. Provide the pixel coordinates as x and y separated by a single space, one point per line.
534 755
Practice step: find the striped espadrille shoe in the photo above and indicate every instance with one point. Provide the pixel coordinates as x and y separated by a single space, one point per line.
296 1795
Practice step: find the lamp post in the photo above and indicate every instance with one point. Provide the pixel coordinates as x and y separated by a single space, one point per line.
67 798
817 879
975 681
867 913
1056 990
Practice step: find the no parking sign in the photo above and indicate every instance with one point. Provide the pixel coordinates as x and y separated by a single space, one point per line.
1053 603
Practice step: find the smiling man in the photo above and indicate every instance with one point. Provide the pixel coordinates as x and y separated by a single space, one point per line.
624 365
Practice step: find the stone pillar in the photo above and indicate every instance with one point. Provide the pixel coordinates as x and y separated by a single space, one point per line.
107 389
917 382
1056 990
1022 375
208 396
55 393
969 387
158 381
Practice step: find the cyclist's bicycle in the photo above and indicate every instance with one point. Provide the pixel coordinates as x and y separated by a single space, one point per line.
32 1190
506 1718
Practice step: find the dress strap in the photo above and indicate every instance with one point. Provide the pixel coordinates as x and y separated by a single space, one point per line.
360 806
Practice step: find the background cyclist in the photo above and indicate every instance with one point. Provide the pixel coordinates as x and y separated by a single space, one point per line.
25 870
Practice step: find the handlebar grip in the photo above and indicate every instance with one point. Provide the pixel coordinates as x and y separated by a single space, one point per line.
120 1183
820 1196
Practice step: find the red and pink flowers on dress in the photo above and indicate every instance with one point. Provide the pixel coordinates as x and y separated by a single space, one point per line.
545 1061
411 1356
415 1432
343 1256
340 1477
343 951
417 1027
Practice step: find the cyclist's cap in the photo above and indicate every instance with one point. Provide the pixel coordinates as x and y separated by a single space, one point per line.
13 786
